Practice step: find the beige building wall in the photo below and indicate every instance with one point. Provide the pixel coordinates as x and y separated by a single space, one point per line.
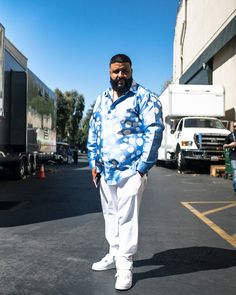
198 25
224 72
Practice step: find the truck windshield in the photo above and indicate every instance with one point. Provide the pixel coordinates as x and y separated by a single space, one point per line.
203 123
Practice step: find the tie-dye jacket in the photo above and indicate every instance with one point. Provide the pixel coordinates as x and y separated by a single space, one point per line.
124 135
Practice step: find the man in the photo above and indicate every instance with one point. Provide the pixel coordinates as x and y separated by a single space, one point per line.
230 142
124 136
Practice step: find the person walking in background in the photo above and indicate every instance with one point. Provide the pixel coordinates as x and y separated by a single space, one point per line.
230 142
75 155
124 137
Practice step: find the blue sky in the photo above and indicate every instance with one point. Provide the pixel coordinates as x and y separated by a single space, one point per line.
69 43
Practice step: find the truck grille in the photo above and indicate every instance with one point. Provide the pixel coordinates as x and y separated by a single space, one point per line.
209 141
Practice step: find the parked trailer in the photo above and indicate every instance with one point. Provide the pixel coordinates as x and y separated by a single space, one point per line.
27 114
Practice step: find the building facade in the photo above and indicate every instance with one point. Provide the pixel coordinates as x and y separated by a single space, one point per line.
205 46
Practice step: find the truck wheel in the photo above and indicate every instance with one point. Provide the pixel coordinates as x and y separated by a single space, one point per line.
28 167
31 166
20 169
181 162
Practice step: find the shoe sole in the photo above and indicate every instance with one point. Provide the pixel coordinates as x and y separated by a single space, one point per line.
123 288
105 268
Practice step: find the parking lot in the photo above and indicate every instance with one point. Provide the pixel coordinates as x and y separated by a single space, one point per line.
55 231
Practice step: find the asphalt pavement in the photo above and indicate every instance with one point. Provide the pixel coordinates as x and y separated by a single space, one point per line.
52 230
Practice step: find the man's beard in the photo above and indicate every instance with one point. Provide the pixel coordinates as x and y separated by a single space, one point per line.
121 89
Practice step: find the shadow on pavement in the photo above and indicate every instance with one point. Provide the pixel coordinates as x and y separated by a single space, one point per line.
185 260
191 169
66 192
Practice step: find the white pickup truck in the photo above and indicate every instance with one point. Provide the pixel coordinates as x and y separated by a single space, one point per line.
193 131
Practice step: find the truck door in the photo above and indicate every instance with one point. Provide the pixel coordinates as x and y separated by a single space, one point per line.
178 131
18 111
1 68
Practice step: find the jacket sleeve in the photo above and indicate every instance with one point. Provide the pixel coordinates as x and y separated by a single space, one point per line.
151 117
92 138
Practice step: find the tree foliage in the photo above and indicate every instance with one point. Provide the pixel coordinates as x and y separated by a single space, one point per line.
70 107
84 128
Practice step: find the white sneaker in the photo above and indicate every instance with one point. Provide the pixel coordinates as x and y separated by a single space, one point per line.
124 279
107 262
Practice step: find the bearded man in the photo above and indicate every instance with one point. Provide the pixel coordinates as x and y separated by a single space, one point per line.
124 137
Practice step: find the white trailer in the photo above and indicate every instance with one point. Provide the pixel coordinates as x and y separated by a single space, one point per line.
193 131
27 114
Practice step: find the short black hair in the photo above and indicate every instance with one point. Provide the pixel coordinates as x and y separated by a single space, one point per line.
120 58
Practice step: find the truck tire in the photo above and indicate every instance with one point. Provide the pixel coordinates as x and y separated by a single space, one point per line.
31 166
181 162
28 167
21 169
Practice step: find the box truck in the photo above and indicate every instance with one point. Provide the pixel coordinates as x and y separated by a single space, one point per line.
27 113
193 131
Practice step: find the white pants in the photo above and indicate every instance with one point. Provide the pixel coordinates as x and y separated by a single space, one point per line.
120 205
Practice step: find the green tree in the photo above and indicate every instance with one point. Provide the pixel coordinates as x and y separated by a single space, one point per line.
70 107
84 128
76 103
62 115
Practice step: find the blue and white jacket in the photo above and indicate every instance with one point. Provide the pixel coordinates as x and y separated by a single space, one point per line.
124 135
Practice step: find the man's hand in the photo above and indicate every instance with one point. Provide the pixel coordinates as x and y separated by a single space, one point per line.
233 144
230 145
94 173
141 174
96 177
